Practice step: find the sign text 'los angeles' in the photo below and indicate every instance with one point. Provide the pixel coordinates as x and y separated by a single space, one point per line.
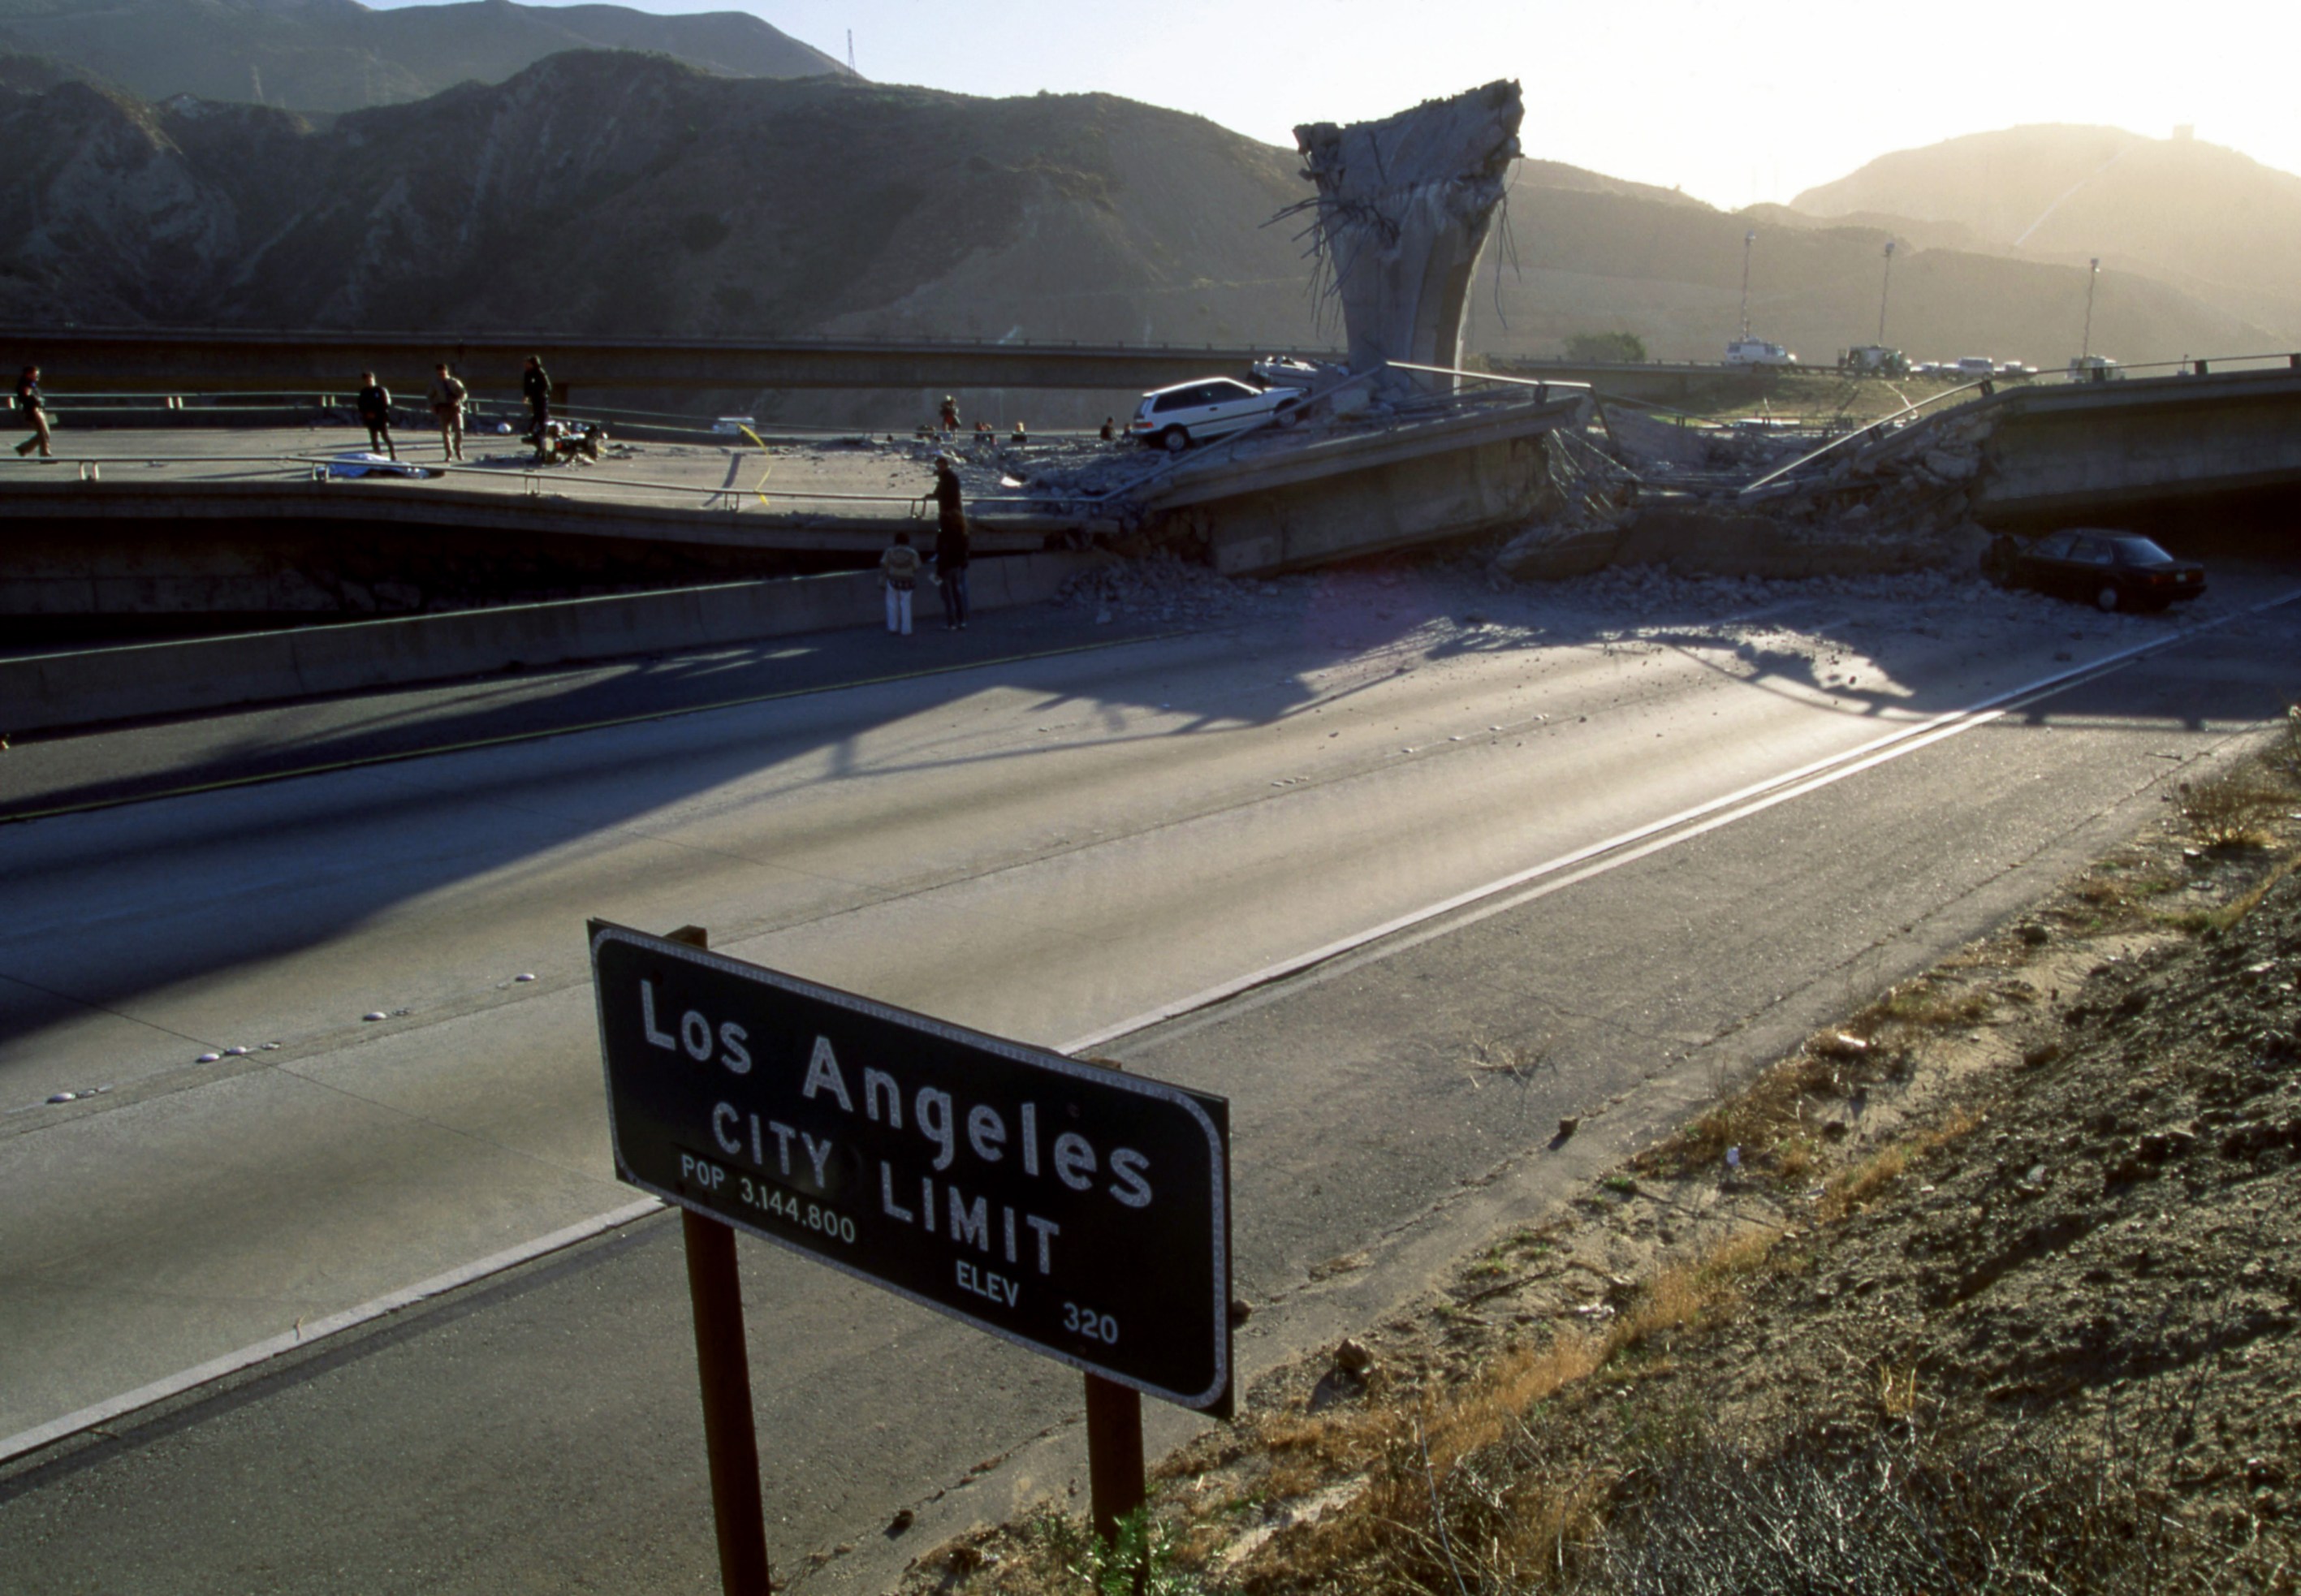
1063 1205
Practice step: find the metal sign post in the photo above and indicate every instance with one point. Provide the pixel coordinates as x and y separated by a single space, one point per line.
1074 1209
724 1369
1114 1454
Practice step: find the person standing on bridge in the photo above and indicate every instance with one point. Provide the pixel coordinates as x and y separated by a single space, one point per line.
28 399
898 574
448 395
374 407
535 387
952 545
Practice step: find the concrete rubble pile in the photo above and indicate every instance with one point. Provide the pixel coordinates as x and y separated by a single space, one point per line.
1158 587
1903 505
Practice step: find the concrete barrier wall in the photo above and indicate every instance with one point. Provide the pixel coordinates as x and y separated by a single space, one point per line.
94 685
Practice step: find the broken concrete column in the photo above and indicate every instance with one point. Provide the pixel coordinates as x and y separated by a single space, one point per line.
1403 207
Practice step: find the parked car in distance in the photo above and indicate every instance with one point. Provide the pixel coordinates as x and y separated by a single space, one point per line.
1288 371
1175 418
1976 365
1874 360
2112 570
1758 352
2014 368
2093 368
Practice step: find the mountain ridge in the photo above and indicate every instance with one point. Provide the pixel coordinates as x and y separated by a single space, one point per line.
2199 216
333 56
615 193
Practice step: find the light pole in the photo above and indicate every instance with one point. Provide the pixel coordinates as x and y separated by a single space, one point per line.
1748 238
2084 350
1884 292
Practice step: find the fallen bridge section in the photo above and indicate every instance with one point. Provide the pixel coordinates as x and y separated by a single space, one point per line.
1354 492
2138 451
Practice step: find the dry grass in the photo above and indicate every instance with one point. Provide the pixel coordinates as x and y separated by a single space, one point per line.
1923 1005
1456 1491
2233 810
1850 1189
1510 1060
1767 1120
2221 917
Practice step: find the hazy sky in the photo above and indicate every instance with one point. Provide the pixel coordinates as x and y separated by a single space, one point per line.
1734 103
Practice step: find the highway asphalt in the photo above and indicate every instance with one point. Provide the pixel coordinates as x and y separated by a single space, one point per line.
1051 847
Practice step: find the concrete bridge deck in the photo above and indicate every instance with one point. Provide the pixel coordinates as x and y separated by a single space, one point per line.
2141 447
240 525
2132 451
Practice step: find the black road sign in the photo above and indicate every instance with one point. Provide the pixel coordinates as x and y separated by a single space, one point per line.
1079 1211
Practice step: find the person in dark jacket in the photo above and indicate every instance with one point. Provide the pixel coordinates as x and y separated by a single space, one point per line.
535 385
951 545
28 399
374 407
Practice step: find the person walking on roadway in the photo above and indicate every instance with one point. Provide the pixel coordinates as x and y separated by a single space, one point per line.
448 395
28 399
374 405
535 387
952 545
898 574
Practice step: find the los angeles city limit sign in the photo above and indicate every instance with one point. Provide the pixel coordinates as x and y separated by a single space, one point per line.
1076 1210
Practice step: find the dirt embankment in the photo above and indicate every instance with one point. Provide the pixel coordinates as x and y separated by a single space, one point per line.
1996 1287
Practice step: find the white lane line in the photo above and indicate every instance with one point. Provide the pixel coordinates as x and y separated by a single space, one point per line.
305 1335
1494 898
1598 857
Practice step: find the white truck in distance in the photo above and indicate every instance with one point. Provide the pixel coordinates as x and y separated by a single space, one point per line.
1758 352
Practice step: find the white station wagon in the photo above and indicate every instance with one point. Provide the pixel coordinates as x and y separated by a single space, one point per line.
1189 412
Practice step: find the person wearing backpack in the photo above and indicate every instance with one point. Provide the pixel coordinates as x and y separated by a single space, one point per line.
898 574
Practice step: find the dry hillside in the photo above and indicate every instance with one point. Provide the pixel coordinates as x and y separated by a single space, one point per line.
599 192
617 192
1593 260
340 56
2196 215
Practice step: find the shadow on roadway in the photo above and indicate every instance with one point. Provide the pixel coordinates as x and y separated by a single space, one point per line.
1368 619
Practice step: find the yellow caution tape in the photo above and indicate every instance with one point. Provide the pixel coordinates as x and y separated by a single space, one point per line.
758 488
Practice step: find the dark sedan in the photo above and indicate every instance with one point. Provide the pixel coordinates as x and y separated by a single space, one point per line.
2114 571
